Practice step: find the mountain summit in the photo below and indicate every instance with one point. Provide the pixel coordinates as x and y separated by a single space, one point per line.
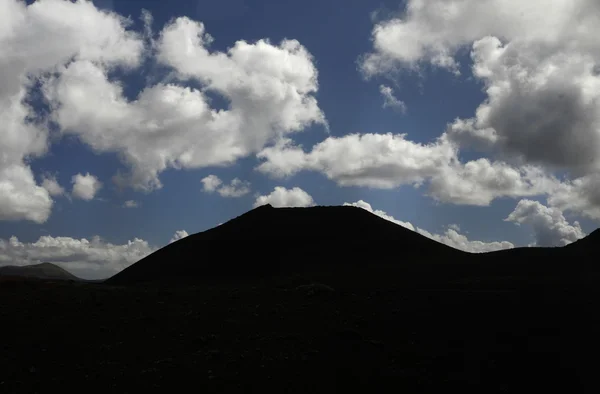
266 240
339 241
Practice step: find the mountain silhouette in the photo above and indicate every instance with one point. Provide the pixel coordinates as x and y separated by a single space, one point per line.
269 240
38 271
588 245
339 240
321 299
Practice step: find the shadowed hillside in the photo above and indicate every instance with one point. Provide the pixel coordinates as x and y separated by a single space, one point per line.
267 241
340 241
38 271
325 299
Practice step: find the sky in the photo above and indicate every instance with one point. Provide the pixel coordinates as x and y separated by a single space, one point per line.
127 125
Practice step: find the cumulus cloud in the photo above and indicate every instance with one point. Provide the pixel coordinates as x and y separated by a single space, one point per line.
581 196
542 108
387 161
479 182
373 160
269 90
179 234
211 183
540 76
390 101
36 39
88 259
382 214
433 31
85 186
236 188
281 197
549 224
20 197
52 186
450 237
130 204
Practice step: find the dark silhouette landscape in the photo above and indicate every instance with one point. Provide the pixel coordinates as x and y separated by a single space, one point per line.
320 299
38 271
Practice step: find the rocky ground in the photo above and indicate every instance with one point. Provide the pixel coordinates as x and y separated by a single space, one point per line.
279 337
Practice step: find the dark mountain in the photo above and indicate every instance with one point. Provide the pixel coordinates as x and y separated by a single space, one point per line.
312 300
587 245
38 271
340 241
269 240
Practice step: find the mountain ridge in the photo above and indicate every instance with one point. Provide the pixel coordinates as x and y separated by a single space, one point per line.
39 271
328 238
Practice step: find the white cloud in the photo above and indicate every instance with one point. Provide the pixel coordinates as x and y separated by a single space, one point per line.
581 196
52 186
269 90
20 197
282 197
236 187
454 226
85 186
451 237
365 205
479 182
179 234
549 225
88 259
131 204
540 75
433 31
37 38
543 108
211 183
390 101
372 160
387 161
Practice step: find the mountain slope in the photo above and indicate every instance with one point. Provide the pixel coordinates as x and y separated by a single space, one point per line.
269 240
343 241
40 271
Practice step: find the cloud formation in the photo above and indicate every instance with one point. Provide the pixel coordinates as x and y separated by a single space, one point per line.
85 186
390 101
268 89
179 234
281 197
450 237
540 76
52 186
549 225
387 161
88 259
236 188
36 39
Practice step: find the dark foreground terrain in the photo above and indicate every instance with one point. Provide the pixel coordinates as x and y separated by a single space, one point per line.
235 309
486 336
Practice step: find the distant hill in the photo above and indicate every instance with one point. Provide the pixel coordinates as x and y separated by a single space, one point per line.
38 271
339 240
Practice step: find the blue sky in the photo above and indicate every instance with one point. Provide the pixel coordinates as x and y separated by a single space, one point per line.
437 63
